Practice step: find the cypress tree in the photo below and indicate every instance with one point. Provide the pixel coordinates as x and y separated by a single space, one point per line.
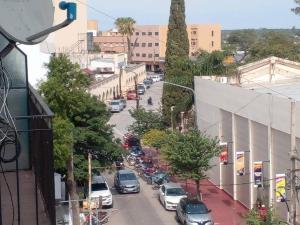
177 51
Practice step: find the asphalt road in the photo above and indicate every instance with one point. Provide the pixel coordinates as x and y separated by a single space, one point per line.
123 119
142 208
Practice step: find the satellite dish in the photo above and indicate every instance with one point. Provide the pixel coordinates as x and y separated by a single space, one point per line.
20 19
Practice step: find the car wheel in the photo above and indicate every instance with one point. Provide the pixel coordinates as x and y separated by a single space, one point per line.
165 206
176 217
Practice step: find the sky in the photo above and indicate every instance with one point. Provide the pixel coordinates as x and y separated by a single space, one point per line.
231 14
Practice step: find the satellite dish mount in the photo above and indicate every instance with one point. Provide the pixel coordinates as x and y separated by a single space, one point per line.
71 16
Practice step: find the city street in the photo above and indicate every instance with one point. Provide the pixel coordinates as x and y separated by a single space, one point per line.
143 208
123 119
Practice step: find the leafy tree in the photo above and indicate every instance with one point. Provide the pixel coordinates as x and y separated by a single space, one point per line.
145 121
155 138
296 10
274 44
177 51
63 142
125 26
189 155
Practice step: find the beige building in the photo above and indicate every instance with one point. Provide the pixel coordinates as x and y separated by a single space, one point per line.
71 38
257 125
149 42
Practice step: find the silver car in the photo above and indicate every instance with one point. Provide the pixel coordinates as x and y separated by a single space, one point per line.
116 106
126 182
193 212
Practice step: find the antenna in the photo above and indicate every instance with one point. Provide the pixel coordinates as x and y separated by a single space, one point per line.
30 22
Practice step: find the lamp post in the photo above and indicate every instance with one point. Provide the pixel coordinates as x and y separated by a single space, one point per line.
172 123
193 91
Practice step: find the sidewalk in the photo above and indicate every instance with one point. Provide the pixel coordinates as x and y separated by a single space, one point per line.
225 210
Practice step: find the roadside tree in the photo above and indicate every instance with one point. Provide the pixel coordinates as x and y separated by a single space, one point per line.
189 155
254 218
145 121
155 138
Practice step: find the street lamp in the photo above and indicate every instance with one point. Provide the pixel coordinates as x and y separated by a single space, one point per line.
172 123
193 91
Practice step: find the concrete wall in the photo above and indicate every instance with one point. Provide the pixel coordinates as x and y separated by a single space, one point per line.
256 123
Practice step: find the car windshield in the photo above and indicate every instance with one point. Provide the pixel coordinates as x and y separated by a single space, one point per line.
114 103
99 187
175 192
197 208
127 176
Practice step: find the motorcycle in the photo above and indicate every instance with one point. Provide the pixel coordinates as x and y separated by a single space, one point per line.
149 101
158 183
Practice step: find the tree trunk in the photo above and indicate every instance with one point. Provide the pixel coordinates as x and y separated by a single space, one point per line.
198 189
72 190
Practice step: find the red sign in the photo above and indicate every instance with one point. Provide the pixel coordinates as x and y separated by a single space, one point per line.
224 153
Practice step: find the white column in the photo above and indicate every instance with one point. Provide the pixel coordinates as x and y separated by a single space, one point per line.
234 138
270 151
251 156
220 165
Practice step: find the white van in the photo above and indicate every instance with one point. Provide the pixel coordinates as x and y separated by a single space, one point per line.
155 78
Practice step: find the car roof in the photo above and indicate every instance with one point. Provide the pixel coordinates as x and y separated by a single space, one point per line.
193 201
125 171
98 179
116 100
172 185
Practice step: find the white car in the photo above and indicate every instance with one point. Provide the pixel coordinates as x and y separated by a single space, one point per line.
155 78
116 106
100 188
170 195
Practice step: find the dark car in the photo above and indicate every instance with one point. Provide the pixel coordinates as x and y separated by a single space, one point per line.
136 151
193 211
126 182
140 89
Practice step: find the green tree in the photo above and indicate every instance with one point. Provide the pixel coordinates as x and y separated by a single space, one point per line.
63 142
189 155
296 10
177 51
125 26
274 44
145 121
155 138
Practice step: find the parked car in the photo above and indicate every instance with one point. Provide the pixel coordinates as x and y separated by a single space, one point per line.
155 78
157 176
101 188
126 182
131 95
147 83
124 103
193 211
170 195
141 89
116 106
130 140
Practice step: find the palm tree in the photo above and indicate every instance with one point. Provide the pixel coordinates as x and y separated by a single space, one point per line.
125 26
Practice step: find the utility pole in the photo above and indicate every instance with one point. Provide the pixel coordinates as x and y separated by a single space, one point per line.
136 92
90 187
172 121
293 158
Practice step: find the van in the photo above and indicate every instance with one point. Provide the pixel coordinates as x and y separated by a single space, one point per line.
155 78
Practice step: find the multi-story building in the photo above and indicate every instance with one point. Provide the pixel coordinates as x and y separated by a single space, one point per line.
149 42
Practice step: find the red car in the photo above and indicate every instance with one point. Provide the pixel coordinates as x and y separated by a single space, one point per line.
131 95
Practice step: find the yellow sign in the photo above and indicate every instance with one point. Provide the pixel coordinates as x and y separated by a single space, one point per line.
280 188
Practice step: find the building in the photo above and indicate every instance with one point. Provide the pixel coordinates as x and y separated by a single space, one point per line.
149 42
118 84
256 129
93 27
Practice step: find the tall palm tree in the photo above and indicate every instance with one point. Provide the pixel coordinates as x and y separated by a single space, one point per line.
125 26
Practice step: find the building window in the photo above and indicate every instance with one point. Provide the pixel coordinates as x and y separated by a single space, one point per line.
194 32
149 55
131 44
104 44
149 44
137 54
143 44
137 33
212 33
150 33
143 55
156 55
143 33
156 44
193 43
156 33
137 44
212 44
